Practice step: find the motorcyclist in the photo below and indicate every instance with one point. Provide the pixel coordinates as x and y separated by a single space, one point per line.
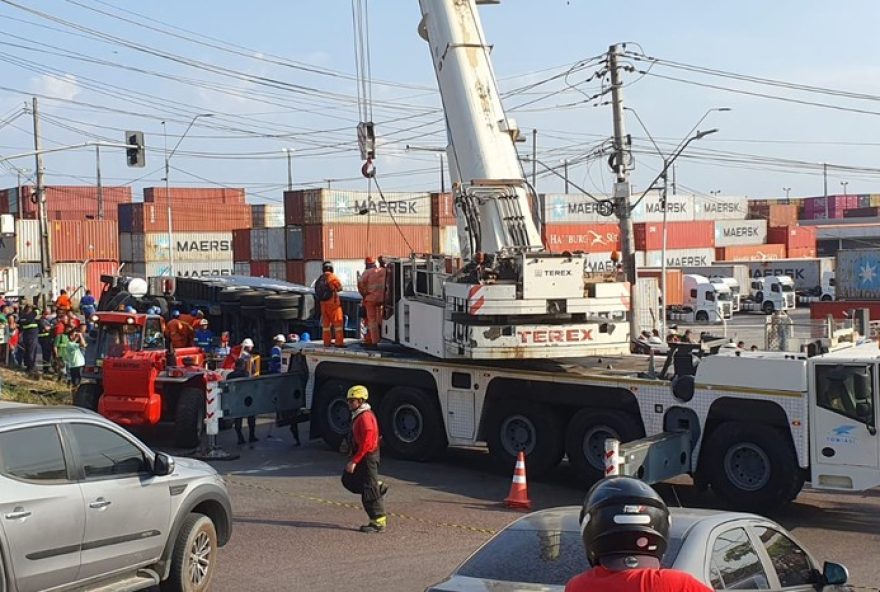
625 525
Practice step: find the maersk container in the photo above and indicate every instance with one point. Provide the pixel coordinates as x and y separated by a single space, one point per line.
730 233
806 273
719 207
204 269
331 206
857 276
188 247
602 264
680 258
573 208
679 208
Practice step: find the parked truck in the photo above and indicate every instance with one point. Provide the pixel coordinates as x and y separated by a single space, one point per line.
703 301
734 275
770 294
811 276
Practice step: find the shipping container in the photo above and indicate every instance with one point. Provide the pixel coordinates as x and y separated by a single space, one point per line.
8 280
196 196
674 283
801 252
679 235
94 271
294 242
331 206
294 208
863 212
126 252
649 303
27 240
864 201
355 241
857 276
30 280
679 208
259 268
267 216
750 253
572 208
782 215
347 270
277 270
79 240
7 251
444 240
874 200
603 264
589 238
241 267
806 273
296 272
268 244
189 247
793 236
731 233
842 310
720 207
442 209
70 277
241 244
679 258
75 202
150 217
201 269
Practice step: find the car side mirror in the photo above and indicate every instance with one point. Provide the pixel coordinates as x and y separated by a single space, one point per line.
163 464
834 574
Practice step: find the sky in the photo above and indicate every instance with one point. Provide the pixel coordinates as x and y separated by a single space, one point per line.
801 79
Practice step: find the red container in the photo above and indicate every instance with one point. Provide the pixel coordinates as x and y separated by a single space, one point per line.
679 235
75 202
442 209
589 238
94 271
674 283
294 208
296 272
780 215
750 253
195 195
152 217
241 244
259 268
840 309
353 241
793 236
81 240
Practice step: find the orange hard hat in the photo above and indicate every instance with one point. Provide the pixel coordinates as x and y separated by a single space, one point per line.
369 260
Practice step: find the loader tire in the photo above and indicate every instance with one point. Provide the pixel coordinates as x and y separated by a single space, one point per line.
189 421
87 396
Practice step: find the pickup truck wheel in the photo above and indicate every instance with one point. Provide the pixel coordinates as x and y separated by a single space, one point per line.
702 317
585 440
515 426
412 424
189 422
751 466
332 414
87 396
194 556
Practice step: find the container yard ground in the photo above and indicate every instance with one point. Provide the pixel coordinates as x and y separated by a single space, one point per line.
742 327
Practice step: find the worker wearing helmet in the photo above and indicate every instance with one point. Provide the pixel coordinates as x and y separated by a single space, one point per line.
362 471
327 288
204 336
275 356
371 285
179 333
625 525
198 317
244 362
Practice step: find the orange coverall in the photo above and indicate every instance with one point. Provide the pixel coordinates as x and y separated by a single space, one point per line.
331 312
180 334
371 285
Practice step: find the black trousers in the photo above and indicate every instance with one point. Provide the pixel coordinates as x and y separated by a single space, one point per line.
30 339
252 424
47 352
365 482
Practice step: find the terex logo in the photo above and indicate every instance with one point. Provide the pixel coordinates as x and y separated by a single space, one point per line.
555 336
386 207
557 272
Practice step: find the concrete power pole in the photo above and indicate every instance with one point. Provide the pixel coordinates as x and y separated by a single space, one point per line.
45 257
98 181
622 187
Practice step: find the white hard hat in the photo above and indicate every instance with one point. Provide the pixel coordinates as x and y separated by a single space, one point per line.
248 342
280 338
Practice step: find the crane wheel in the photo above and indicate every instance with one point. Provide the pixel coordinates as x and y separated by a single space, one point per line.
411 424
585 439
332 417
514 426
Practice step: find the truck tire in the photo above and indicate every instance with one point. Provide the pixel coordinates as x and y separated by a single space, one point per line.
256 299
768 308
333 418
702 317
412 424
189 421
826 298
87 396
585 439
282 314
752 467
514 426
194 556
281 301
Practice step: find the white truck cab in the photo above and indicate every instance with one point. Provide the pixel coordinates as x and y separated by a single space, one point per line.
735 290
704 301
771 294
825 292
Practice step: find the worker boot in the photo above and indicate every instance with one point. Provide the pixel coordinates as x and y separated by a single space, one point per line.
377 525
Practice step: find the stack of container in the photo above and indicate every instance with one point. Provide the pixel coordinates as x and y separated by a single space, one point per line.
261 251
799 241
202 223
65 202
346 226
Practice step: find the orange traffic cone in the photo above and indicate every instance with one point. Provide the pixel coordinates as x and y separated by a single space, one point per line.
519 497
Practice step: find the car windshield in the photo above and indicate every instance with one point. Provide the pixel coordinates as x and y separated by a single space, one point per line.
115 340
538 556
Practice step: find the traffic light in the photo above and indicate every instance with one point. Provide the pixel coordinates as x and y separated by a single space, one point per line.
135 157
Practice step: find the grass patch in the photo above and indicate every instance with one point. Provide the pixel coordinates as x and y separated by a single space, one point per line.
19 387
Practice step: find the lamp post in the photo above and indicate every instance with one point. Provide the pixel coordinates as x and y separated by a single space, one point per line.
167 189
715 192
441 152
289 152
787 191
844 184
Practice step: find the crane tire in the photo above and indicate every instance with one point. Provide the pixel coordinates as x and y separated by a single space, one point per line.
514 425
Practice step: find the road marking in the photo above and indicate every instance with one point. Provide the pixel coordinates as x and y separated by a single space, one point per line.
327 502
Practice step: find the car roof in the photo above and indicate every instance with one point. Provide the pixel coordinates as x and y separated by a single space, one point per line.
12 413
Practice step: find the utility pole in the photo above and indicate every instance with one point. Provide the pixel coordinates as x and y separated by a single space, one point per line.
535 159
622 187
565 165
825 183
289 169
98 180
442 174
45 258
673 180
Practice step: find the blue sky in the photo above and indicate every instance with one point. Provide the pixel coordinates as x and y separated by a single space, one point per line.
827 45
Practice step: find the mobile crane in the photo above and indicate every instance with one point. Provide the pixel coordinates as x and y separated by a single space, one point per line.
462 366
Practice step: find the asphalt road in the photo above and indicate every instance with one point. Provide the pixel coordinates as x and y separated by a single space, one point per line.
747 327
296 527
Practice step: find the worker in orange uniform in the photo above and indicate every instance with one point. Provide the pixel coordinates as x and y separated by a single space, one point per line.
371 285
327 288
180 334
62 303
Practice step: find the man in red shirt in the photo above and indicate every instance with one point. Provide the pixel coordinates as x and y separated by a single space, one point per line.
624 524
361 474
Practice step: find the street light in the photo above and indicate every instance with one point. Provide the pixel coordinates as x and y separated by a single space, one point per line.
715 192
441 152
167 189
787 191
844 183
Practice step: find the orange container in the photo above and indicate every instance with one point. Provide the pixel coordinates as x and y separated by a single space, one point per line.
674 283
750 253
589 238
81 240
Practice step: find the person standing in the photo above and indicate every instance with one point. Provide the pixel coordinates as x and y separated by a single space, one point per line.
62 303
362 471
327 288
30 334
244 362
275 368
87 305
204 336
180 334
624 527
371 285
46 339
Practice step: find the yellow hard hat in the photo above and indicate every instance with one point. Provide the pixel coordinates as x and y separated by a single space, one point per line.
358 392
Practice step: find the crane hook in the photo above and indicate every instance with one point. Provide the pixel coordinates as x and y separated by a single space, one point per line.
369 169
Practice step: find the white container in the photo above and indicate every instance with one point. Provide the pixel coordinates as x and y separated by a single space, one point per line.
347 270
649 303
7 250
30 280
188 247
601 263
9 280
69 276
808 274
720 207
241 268
27 241
181 269
573 208
267 216
679 208
444 240
732 233
680 258
330 206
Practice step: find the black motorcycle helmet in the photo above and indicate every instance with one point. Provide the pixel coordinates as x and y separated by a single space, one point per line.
327 266
623 516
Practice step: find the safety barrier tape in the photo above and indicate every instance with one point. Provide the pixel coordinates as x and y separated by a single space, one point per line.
311 498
